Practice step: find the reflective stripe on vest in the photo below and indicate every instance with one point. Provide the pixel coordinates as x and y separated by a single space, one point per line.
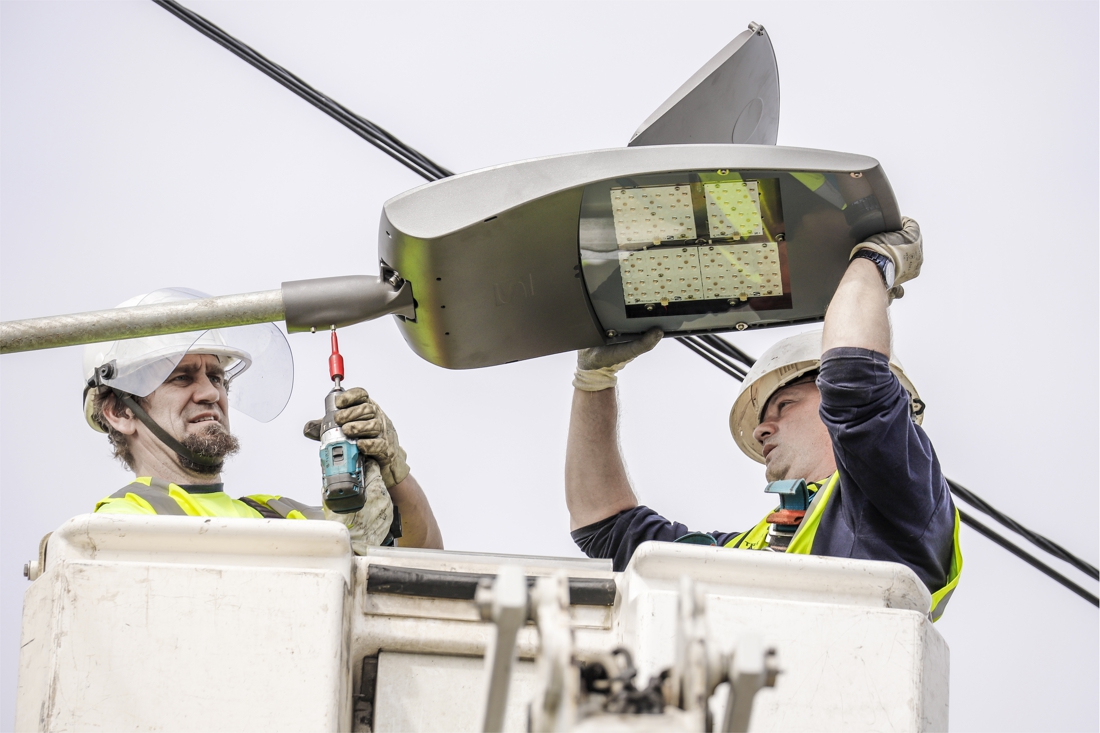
802 544
154 492
283 506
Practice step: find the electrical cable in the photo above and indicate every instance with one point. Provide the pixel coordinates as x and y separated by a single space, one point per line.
1028 558
364 128
1035 538
691 345
702 347
728 348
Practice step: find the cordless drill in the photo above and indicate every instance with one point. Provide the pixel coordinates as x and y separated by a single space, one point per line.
342 471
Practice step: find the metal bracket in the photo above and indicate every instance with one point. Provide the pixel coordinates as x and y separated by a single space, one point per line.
342 301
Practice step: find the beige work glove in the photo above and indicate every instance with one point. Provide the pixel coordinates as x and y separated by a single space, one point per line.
369 526
905 249
364 422
597 367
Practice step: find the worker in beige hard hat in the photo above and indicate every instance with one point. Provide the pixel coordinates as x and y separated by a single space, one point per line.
164 402
832 416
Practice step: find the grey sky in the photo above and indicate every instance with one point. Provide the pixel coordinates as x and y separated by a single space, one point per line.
137 154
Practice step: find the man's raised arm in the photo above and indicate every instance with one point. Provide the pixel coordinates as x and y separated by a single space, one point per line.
596 484
857 314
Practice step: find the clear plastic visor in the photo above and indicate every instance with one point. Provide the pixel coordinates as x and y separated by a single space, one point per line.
258 363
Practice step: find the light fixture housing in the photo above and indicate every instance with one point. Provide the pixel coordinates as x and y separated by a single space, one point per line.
572 251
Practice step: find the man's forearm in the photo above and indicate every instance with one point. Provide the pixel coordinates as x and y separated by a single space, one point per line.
596 485
418 525
857 314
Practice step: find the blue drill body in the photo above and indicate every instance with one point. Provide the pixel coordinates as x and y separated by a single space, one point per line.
341 465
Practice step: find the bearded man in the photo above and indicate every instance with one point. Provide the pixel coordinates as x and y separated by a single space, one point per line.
164 403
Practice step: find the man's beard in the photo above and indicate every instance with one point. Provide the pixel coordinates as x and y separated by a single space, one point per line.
213 442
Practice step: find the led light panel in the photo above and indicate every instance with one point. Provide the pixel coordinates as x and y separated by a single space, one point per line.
653 214
741 271
661 275
733 209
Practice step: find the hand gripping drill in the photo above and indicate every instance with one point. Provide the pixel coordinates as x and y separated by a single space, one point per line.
342 471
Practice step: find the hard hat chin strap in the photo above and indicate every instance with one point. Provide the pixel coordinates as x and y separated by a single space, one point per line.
161 434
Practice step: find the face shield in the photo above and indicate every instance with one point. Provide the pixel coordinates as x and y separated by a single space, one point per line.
259 366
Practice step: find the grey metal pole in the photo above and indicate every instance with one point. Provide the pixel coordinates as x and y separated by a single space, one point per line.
143 320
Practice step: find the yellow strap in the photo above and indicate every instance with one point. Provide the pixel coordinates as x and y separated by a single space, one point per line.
755 539
953 577
803 540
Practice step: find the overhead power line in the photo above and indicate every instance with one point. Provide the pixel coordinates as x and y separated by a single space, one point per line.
1036 539
1027 557
364 128
712 348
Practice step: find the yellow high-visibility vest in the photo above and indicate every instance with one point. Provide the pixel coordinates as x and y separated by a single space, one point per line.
148 495
757 539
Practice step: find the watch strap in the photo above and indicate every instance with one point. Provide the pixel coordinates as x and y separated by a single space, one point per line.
884 264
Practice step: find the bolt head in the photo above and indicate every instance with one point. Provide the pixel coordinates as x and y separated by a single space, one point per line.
612 334
741 326
856 174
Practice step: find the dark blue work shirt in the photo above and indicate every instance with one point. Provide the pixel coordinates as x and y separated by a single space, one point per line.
892 502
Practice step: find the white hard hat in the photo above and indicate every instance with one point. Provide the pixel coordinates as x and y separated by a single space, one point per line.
138 366
781 365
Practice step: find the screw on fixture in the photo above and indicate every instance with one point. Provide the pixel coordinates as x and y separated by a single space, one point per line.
741 326
612 334
781 237
856 174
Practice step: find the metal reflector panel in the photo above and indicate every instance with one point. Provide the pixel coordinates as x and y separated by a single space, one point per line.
734 98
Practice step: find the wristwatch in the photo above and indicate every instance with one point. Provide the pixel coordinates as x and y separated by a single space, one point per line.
884 264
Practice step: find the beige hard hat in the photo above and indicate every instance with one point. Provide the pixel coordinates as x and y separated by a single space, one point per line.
781 365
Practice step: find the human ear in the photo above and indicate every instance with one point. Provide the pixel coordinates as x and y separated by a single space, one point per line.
119 416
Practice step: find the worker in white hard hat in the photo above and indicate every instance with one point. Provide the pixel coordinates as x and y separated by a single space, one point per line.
830 414
164 403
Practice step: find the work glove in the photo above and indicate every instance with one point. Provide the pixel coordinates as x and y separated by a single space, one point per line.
369 526
905 249
364 422
597 367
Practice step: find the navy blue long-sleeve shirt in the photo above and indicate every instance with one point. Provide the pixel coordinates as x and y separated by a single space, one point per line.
891 503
